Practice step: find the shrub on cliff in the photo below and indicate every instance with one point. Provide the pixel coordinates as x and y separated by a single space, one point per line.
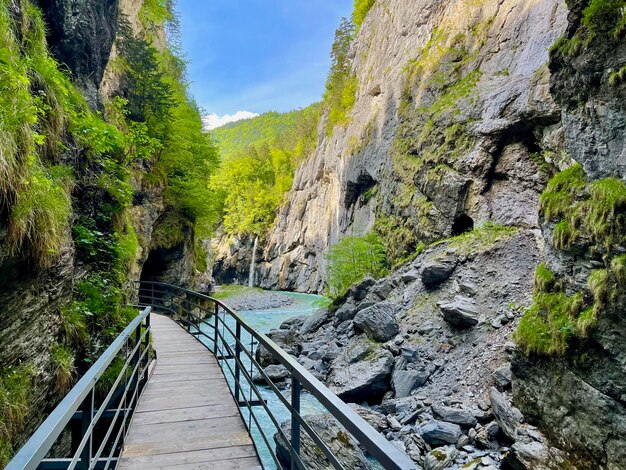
353 258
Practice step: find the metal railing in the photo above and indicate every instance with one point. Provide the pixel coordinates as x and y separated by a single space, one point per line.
234 343
88 427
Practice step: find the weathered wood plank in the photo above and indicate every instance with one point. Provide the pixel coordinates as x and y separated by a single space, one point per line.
186 418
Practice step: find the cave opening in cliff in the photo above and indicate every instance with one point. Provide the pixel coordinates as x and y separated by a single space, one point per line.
462 224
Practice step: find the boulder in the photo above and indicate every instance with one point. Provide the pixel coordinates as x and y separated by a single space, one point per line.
276 373
410 276
289 340
383 288
314 321
502 376
346 312
342 445
405 381
438 270
361 372
455 415
360 290
462 312
441 458
508 417
378 321
294 322
375 419
438 433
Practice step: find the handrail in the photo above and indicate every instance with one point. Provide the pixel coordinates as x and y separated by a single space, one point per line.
372 441
32 454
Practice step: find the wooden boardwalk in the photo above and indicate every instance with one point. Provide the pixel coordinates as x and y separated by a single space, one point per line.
186 417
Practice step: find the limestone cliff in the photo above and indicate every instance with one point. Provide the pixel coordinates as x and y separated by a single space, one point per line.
452 105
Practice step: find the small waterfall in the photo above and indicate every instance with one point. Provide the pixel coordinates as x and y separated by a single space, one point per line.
252 263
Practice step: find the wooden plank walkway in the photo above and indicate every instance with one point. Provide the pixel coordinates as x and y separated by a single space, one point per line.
186 417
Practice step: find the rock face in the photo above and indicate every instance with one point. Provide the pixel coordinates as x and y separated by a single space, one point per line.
343 446
502 117
81 34
361 372
378 321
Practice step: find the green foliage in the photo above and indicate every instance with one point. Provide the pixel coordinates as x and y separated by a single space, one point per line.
74 325
595 214
602 20
398 236
253 186
295 130
353 258
250 185
342 83
40 215
361 9
16 384
595 210
154 13
168 231
63 367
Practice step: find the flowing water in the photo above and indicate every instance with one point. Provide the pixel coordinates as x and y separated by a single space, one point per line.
263 321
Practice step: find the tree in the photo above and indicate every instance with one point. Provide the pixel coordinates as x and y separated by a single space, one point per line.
353 258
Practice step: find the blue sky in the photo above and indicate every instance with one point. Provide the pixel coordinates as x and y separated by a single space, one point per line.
258 55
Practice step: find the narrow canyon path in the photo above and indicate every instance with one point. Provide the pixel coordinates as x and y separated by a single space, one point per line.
186 417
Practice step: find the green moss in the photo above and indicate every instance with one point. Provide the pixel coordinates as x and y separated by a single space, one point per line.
544 279
16 384
617 77
169 231
549 324
481 239
594 210
74 324
361 9
602 20
62 359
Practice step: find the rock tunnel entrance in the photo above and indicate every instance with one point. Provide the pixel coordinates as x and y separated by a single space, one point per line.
462 224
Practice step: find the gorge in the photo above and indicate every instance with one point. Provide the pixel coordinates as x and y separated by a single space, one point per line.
474 148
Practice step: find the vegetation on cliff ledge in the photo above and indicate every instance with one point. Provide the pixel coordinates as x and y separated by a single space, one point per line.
588 216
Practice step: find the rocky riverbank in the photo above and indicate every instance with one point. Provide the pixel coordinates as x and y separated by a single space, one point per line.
244 299
424 354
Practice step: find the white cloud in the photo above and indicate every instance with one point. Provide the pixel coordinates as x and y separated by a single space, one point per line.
213 121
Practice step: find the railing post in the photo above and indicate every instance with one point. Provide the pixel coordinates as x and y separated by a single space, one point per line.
237 359
188 311
87 408
296 390
146 346
216 323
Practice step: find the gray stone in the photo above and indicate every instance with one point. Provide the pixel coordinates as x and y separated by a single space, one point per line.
507 416
346 312
276 373
378 321
296 322
342 445
437 433
455 415
462 312
438 270
361 372
441 458
405 381
410 276
502 376
314 321
360 290
375 419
